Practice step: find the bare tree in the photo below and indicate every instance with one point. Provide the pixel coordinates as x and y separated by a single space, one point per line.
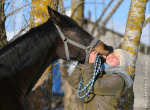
39 12
131 42
3 39
108 17
100 18
77 11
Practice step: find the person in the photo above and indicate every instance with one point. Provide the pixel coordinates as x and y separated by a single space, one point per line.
109 85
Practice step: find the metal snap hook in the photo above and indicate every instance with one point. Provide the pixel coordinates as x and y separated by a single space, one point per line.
88 49
65 39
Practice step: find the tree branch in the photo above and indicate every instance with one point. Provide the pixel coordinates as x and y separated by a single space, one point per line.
100 18
146 21
108 17
17 10
62 7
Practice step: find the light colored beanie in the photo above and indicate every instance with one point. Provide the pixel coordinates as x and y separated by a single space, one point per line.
121 69
124 57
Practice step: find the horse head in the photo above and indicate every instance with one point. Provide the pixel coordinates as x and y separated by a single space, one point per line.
73 31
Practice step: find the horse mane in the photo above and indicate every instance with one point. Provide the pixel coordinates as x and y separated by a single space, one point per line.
26 49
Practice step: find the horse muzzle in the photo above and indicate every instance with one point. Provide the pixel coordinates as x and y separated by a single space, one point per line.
102 48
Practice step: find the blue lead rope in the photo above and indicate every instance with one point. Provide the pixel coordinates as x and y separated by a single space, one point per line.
82 88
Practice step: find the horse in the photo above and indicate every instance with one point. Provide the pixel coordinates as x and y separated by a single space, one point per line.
23 60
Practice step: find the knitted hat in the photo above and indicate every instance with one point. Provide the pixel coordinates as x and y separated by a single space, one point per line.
124 57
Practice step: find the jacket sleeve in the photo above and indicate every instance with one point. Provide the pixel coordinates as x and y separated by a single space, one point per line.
107 85
76 76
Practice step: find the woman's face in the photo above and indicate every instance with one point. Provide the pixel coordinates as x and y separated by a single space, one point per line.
113 59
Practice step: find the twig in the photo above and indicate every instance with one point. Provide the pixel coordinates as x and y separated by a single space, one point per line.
6 29
100 18
62 7
60 3
95 9
146 21
76 8
25 19
108 17
93 3
17 10
56 77
72 6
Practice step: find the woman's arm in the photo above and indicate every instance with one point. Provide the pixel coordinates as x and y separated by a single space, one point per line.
107 85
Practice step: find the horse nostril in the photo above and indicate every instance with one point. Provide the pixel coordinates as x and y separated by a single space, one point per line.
105 47
109 48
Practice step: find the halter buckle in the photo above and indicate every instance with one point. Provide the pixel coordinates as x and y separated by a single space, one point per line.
88 49
66 39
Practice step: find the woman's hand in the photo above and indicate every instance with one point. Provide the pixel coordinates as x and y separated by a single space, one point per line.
92 56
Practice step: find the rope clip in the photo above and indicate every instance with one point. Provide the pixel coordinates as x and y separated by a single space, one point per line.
88 49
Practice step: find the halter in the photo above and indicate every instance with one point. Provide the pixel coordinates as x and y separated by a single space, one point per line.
66 40
87 49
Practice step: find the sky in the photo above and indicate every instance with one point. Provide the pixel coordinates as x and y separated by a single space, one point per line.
118 20
116 23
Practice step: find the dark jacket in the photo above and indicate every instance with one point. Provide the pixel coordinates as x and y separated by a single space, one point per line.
107 89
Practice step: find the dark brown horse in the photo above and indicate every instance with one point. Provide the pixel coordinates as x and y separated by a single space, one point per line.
23 61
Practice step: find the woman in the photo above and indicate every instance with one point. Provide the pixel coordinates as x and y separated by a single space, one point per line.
109 86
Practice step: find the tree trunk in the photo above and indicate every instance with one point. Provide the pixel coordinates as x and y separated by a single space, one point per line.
77 11
3 39
41 96
39 13
131 42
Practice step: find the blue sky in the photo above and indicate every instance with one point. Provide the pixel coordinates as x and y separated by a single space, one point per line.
117 22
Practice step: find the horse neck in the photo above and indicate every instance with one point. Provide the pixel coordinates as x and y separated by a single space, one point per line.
48 57
34 73
40 53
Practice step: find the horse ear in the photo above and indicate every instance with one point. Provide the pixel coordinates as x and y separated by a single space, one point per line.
54 14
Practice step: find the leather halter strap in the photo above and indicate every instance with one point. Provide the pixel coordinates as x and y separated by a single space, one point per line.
66 40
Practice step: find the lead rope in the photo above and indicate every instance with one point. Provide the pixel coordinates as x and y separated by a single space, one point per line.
82 88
